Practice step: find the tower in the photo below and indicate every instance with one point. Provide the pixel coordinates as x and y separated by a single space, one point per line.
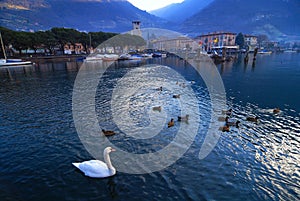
136 24
136 28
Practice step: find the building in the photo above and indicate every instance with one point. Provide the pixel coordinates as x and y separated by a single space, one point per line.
76 48
68 48
174 45
270 45
217 40
250 41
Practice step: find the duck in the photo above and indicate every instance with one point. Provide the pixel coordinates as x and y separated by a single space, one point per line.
227 112
276 110
225 128
171 123
159 89
252 119
108 133
182 85
232 122
157 108
223 118
183 118
97 168
176 96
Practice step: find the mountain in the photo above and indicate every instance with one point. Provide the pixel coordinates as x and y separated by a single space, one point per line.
276 18
84 15
178 12
279 19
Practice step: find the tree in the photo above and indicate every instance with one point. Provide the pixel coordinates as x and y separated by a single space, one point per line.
7 38
64 36
98 38
35 41
48 40
240 40
22 41
51 39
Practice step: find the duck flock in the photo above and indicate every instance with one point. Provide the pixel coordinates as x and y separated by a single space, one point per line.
171 123
226 117
230 122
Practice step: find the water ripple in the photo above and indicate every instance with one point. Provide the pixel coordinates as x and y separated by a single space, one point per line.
258 161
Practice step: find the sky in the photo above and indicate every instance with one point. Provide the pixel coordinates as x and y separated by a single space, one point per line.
149 5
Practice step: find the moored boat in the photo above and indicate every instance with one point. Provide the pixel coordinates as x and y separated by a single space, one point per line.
124 57
156 54
11 62
97 57
290 51
264 52
136 57
110 57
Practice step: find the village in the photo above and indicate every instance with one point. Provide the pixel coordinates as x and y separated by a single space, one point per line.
140 43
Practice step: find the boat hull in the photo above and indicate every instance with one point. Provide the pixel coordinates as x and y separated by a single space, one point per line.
12 64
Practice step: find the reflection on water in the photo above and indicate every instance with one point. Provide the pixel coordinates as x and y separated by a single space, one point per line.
258 161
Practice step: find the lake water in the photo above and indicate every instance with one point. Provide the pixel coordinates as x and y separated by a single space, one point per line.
258 161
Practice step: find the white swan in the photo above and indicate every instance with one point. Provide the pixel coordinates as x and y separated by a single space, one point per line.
96 168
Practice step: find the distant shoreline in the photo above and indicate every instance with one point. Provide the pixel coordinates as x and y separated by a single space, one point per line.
38 58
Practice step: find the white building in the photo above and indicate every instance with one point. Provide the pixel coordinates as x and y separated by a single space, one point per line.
174 45
250 40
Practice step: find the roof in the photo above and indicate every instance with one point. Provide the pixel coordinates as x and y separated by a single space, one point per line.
218 33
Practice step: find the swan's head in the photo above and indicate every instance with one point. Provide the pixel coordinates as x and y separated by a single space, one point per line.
108 150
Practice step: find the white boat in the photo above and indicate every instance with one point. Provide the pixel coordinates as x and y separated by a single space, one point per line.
164 54
97 57
124 57
290 51
11 62
264 52
135 57
103 57
110 57
147 55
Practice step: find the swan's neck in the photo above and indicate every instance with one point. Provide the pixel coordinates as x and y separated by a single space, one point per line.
107 161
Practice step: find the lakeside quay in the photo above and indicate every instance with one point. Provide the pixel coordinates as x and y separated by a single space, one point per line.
38 58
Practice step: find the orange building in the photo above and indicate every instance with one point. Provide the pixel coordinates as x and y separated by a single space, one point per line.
217 40
76 48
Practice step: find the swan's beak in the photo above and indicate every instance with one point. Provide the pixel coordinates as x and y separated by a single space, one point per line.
113 150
